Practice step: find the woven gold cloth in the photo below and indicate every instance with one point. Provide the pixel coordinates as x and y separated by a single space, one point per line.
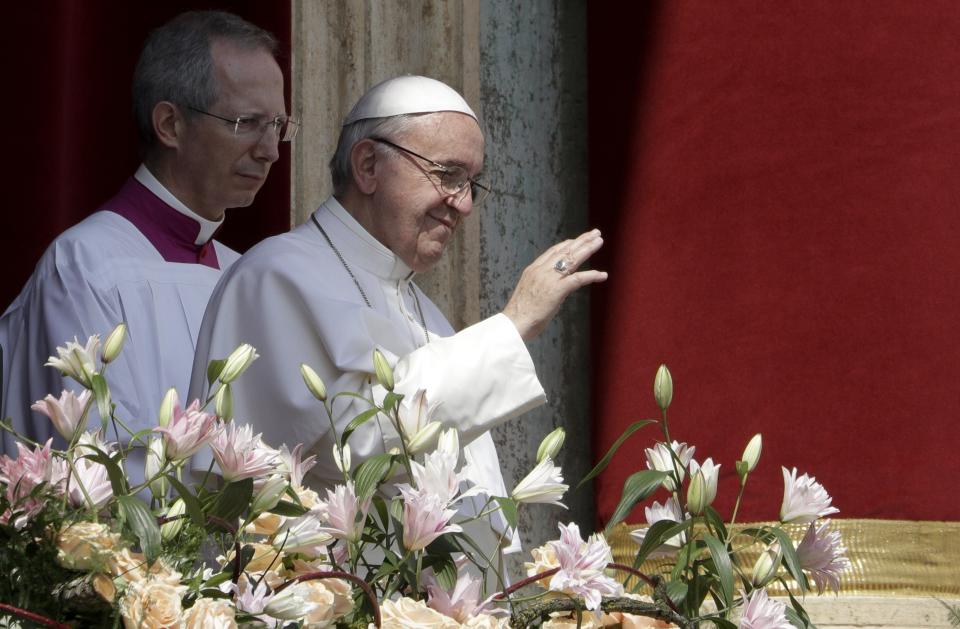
888 557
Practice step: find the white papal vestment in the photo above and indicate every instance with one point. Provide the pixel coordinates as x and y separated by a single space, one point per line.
293 299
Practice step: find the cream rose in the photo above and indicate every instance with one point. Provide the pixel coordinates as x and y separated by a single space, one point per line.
210 613
631 621
131 567
264 556
407 613
544 558
86 546
151 604
486 621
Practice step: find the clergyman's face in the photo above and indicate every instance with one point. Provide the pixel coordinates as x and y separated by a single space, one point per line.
413 216
218 169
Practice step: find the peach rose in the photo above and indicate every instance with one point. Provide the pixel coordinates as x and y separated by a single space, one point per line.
407 613
104 586
151 604
85 545
210 613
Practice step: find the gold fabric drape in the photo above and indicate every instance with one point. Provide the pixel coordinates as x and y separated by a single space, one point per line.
887 557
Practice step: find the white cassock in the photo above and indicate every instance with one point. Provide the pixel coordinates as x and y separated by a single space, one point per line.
295 302
100 272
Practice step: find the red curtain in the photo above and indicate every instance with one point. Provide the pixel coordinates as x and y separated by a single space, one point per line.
777 184
68 120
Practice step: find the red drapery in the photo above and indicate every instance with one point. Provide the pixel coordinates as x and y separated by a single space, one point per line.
777 184
68 120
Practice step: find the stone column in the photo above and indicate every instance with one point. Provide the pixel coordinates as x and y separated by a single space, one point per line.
522 67
533 96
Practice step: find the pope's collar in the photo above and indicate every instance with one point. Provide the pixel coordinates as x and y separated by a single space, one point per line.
151 183
368 252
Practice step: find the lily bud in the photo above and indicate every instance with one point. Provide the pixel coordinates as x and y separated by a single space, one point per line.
169 530
394 465
449 443
237 363
751 454
114 343
663 387
766 565
383 370
290 604
155 456
223 403
269 494
170 400
313 382
343 463
697 494
551 444
425 438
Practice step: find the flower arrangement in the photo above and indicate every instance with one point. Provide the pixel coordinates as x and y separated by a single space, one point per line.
386 547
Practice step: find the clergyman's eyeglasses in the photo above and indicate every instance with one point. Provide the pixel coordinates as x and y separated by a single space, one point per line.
255 126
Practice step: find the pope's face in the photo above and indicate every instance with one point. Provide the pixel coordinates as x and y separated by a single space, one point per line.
412 215
218 169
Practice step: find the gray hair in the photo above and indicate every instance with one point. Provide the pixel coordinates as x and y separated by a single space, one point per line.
176 63
341 170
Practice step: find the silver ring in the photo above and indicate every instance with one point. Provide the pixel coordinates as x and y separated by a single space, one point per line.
561 266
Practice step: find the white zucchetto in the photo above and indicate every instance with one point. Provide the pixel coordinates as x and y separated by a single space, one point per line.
408 95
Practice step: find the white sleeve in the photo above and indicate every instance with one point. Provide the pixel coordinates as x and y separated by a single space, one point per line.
481 376
58 304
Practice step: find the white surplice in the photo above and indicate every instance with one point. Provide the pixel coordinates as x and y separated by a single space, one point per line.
293 299
93 276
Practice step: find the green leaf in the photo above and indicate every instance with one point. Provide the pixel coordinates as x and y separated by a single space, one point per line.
190 501
656 535
445 569
232 500
743 468
795 619
246 555
288 509
370 473
142 524
790 559
721 561
509 508
118 481
605 461
356 422
637 487
798 609
380 505
391 400
677 591
716 522
217 579
102 392
719 622
214 369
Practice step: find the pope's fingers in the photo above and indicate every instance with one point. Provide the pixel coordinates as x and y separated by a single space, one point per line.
573 253
582 278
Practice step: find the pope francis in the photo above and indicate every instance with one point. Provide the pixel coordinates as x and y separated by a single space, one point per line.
405 174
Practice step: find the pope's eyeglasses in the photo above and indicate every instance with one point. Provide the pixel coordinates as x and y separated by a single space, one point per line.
255 126
453 179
